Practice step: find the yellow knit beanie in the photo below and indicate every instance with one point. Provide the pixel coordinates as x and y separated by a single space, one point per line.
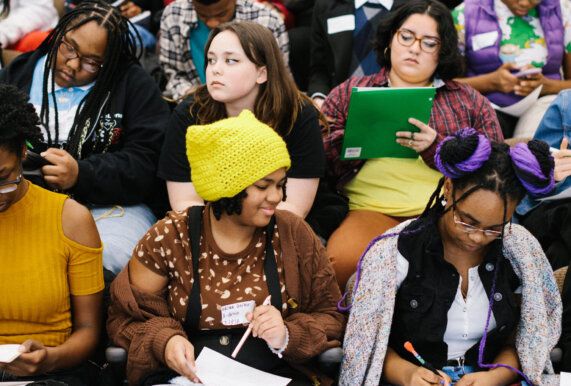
229 155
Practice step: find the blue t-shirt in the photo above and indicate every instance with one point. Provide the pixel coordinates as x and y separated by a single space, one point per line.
67 99
198 38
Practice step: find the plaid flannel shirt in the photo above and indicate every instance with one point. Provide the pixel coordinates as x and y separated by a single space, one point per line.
179 18
456 106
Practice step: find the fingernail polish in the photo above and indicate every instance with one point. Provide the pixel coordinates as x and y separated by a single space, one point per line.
442 381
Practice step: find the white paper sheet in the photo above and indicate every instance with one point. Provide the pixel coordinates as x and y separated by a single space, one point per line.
215 369
565 379
9 352
517 109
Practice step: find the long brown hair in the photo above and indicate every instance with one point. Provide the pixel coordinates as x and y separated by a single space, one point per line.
278 102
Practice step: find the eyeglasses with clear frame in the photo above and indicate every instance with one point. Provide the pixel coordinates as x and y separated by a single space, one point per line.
408 38
470 229
69 52
11 186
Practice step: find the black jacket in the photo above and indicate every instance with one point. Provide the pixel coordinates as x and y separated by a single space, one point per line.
123 172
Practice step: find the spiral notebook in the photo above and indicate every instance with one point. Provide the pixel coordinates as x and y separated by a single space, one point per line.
377 113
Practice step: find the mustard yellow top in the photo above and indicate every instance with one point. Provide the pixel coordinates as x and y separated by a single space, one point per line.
40 268
397 187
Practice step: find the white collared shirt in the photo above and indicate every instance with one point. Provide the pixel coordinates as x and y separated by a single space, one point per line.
388 4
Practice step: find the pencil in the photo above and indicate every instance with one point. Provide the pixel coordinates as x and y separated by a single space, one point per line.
266 302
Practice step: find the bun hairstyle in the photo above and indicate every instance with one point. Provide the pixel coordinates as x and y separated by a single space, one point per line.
533 165
470 159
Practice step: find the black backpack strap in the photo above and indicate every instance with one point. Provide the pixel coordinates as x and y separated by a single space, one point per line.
271 268
194 308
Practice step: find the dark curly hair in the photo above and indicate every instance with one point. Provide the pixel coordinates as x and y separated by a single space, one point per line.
18 120
233 205
450 61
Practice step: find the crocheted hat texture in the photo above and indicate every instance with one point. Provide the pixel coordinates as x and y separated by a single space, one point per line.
229 155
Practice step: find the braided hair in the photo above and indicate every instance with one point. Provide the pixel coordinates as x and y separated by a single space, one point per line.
121 50
18 120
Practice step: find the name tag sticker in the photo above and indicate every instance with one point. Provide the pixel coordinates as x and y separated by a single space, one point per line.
484 40
233 314
352 152
340 24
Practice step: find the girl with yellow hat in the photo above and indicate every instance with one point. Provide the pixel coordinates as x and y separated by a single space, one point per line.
199 277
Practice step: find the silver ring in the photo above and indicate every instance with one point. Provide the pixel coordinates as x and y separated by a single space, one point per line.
410 142
412 135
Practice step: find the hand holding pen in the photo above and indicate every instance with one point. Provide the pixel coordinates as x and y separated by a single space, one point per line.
443 379
266 322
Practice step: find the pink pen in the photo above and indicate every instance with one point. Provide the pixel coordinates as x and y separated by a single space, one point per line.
266 302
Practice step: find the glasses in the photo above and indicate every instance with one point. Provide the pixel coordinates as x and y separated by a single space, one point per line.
408 38
10 186
470 229
69 52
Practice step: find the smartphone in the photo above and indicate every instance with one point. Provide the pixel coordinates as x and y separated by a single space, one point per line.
529 71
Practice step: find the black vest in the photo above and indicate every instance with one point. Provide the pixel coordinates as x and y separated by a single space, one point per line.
425 296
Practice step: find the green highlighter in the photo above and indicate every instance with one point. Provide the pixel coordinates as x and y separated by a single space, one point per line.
377 113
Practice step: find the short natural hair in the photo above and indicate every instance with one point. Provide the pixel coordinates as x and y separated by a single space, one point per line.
18 120
450 61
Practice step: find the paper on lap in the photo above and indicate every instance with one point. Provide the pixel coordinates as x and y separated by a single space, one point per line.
565 379
215 369
519 108
9 352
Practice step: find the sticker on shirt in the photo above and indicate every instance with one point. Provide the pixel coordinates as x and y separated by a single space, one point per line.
352 152
484 40
233 314
340 24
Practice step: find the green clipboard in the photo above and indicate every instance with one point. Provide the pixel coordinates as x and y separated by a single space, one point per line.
377 113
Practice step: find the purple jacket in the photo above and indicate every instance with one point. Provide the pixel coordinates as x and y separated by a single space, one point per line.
481 18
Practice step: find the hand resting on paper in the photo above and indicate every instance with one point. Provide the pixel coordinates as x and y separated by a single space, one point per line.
35 359
179 354
268 324
419 141
562 162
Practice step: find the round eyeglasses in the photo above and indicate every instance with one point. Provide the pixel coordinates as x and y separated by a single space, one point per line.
467 228
408 38
11 186
69 52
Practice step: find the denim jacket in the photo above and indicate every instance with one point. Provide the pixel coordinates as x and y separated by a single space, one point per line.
555 125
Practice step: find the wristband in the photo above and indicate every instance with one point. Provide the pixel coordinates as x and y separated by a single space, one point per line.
279 352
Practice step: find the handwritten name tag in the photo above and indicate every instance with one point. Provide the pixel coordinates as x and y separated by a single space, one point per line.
233 314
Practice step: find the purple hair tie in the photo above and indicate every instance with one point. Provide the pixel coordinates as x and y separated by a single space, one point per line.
473 163
526 165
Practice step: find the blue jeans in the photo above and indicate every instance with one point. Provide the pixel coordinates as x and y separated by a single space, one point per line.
120 229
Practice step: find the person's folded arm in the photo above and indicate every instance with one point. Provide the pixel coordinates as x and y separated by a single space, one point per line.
318 325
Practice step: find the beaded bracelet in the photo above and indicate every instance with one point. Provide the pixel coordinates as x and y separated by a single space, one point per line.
279 352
